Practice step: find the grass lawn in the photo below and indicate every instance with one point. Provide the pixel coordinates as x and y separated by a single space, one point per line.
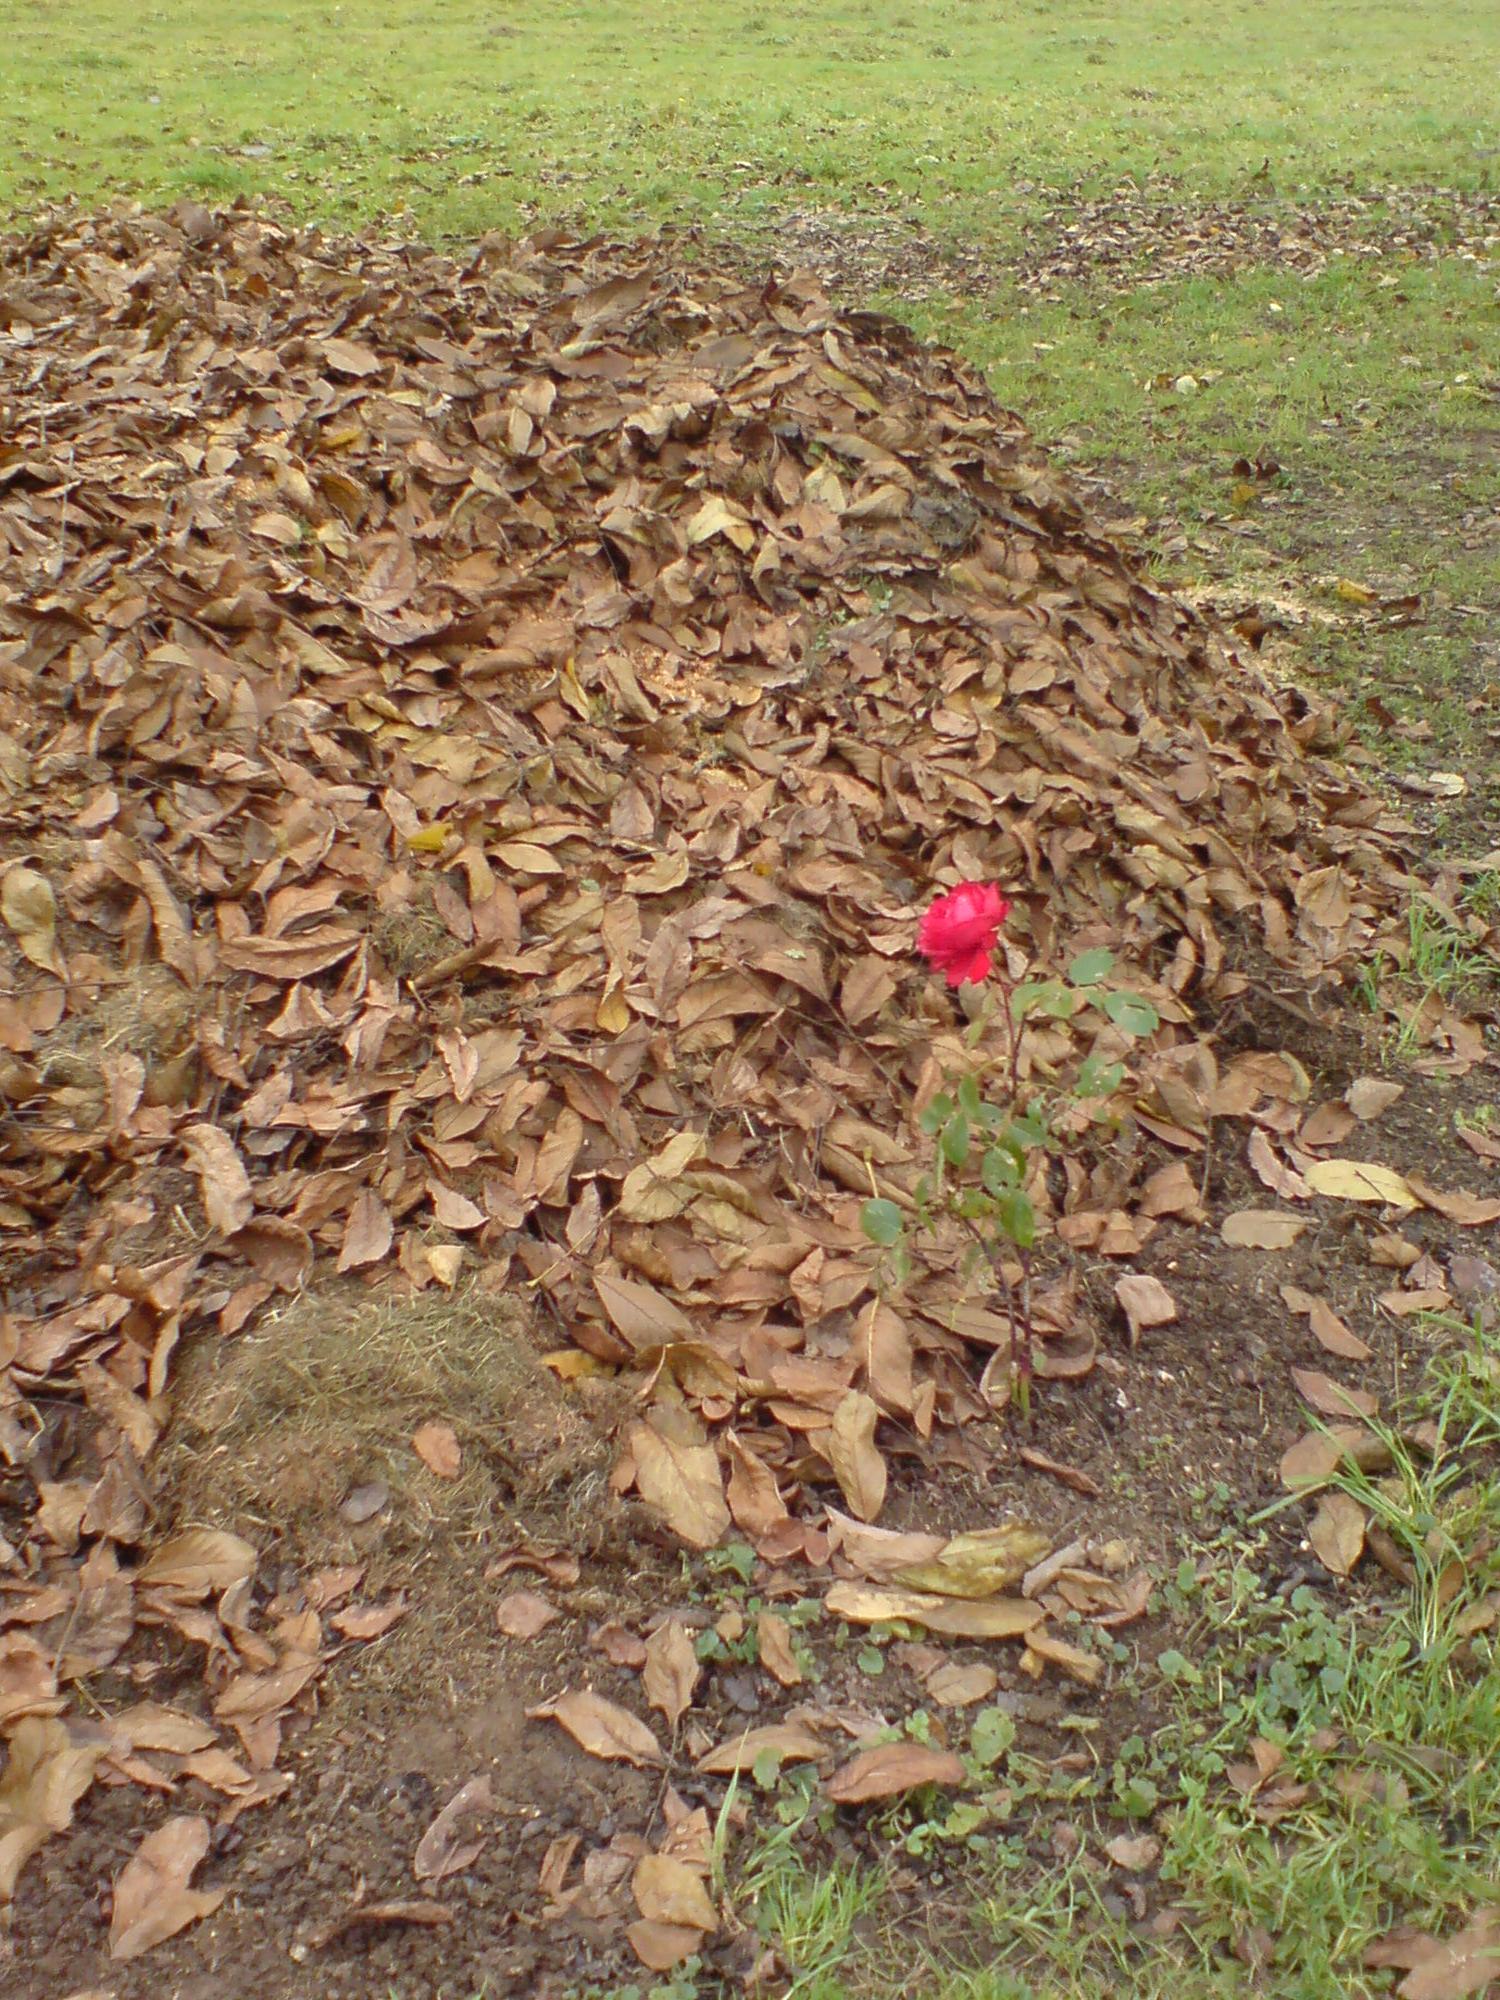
1234 262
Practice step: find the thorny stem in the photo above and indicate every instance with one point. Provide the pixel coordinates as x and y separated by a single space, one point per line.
1021 1328
1023 1368
1013 1043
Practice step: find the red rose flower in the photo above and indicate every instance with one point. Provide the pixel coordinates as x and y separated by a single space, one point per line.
960 931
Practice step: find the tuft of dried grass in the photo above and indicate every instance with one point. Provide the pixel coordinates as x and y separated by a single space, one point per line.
272 1431
149 1013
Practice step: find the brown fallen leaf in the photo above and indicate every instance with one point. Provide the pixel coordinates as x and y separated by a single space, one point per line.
668 1891
754 1499
1261 1229
773 1638
1389 1248
224 1186
879 1553
1145 1302
436 1444
152 1900
29 909
1333 1399
369 1916
1368 1096
1327 1328
368 1234
670 1674
364 1502
1337 1532
198 1561
959 1684
559 1566
522 1614
641 1312
370 1621
857 1464
1406 1304
1328 1125
1135 1851
1314 1459
677 1472
1272 1171
780 1742
890 1769
883 1344
1078 1665
1468 1962
661 1946
1069 1475
619 1644
602 1727
455 1838
1469 1211
46 1774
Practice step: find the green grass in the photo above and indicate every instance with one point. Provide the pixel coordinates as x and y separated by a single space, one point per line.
469 112
1437 960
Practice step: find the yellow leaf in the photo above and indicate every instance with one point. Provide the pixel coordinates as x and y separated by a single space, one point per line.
571 1364
994 1618
613 1013
980 1563
1359 1180
428 840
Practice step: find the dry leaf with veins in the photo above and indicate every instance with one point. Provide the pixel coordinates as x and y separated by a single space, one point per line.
602 1727
671 1671
152 1899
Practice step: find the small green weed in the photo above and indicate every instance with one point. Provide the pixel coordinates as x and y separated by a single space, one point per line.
1437 961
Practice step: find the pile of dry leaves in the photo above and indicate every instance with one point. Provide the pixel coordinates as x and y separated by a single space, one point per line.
474 739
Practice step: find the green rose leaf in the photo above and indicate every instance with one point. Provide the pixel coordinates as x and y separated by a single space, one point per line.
881 1222
1018 1218
937 1114
1131 1014
1097 1078
954 1140
1002 1167
1091 966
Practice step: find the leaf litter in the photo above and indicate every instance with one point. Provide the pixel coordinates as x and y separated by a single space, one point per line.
481 733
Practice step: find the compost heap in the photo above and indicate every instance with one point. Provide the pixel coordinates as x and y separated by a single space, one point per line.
475 740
